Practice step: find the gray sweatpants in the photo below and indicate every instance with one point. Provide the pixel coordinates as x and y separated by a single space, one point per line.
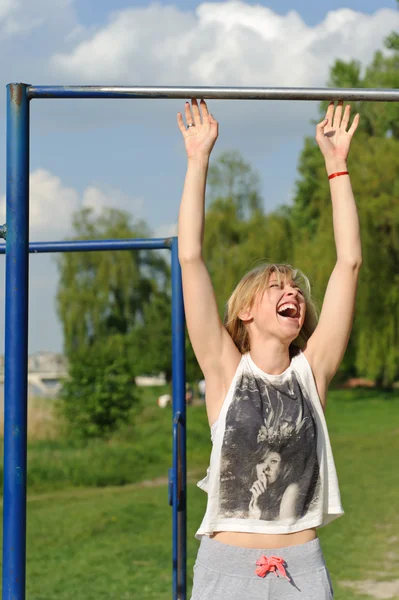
224 572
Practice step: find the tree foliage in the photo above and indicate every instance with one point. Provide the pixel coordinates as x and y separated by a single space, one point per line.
374 164
99 392
238 233
102 295
105 293
106 301
231 178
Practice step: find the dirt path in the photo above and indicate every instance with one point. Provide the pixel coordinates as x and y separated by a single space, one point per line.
87 492
375 588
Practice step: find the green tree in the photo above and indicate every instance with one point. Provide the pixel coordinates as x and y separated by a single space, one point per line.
113 306
231 178
100 392
105 293
374 164
151 338
237 232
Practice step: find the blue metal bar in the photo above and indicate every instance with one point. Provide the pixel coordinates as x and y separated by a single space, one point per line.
16 344
215 93
96 245
179 484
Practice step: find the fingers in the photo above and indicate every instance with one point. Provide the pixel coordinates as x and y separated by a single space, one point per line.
339 119
193 114
180 123
214 124
187 113
345 118
320 128
257 489
204 109
330 113
195 111
342 122
205 113
354 124
338 115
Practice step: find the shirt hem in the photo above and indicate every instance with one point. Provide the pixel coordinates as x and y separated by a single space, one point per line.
273 530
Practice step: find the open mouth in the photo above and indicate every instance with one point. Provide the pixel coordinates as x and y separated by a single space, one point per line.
288 310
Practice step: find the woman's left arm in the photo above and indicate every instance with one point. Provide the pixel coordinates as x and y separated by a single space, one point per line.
326 347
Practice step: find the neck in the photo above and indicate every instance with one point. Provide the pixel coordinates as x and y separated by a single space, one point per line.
272 356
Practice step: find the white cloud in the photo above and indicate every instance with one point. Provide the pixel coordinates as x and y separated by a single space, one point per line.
108 197
225 43
19 17
6 8
52 204
222 43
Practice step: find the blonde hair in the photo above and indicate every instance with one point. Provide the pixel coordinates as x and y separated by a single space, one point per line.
255 282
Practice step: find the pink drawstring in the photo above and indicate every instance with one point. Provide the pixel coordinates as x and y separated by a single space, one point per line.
270 565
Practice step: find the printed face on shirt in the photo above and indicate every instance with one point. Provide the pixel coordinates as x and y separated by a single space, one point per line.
269 469
270 440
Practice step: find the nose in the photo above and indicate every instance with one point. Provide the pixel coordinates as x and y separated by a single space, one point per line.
292 292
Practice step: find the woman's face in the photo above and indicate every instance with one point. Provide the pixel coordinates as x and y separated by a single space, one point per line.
279 312
269 468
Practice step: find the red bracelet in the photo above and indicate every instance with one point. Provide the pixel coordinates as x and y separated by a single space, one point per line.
338 174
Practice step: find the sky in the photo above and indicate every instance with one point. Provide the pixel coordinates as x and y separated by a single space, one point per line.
129 154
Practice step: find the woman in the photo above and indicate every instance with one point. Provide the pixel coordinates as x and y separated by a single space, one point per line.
267 370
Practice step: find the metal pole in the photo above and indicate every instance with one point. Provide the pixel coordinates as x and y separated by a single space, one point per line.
16 344
96 245
215 93
179 533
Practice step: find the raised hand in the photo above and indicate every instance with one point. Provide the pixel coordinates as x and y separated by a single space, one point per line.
331 134
201 133
258 488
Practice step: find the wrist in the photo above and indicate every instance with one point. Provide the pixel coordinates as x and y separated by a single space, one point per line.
198 162
336 166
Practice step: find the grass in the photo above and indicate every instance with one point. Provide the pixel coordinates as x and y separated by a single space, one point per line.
136 452
115 542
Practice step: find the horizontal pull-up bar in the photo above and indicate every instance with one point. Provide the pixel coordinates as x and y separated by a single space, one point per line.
97 245
214 93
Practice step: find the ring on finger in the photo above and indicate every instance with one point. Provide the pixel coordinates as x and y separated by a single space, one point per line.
190 125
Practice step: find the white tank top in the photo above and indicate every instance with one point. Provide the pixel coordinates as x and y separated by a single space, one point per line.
271 468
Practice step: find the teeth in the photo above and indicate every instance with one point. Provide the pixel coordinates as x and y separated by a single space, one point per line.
288 305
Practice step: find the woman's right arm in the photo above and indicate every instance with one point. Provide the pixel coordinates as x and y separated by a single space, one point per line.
214 349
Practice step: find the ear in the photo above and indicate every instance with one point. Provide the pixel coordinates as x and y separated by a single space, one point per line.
245 315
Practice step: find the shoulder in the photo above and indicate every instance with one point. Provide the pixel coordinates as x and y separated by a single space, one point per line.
218 382
314 383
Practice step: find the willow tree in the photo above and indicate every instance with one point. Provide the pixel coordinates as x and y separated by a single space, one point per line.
105 293
238 233
374 165
106 302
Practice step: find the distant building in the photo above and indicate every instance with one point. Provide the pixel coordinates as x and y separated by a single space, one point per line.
150 380
46 370
45 373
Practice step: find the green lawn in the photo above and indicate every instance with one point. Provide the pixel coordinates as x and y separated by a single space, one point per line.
115 542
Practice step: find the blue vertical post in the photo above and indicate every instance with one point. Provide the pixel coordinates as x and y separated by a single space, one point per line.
179 534
16 345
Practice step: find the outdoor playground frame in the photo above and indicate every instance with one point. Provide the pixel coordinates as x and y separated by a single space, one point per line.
17 248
